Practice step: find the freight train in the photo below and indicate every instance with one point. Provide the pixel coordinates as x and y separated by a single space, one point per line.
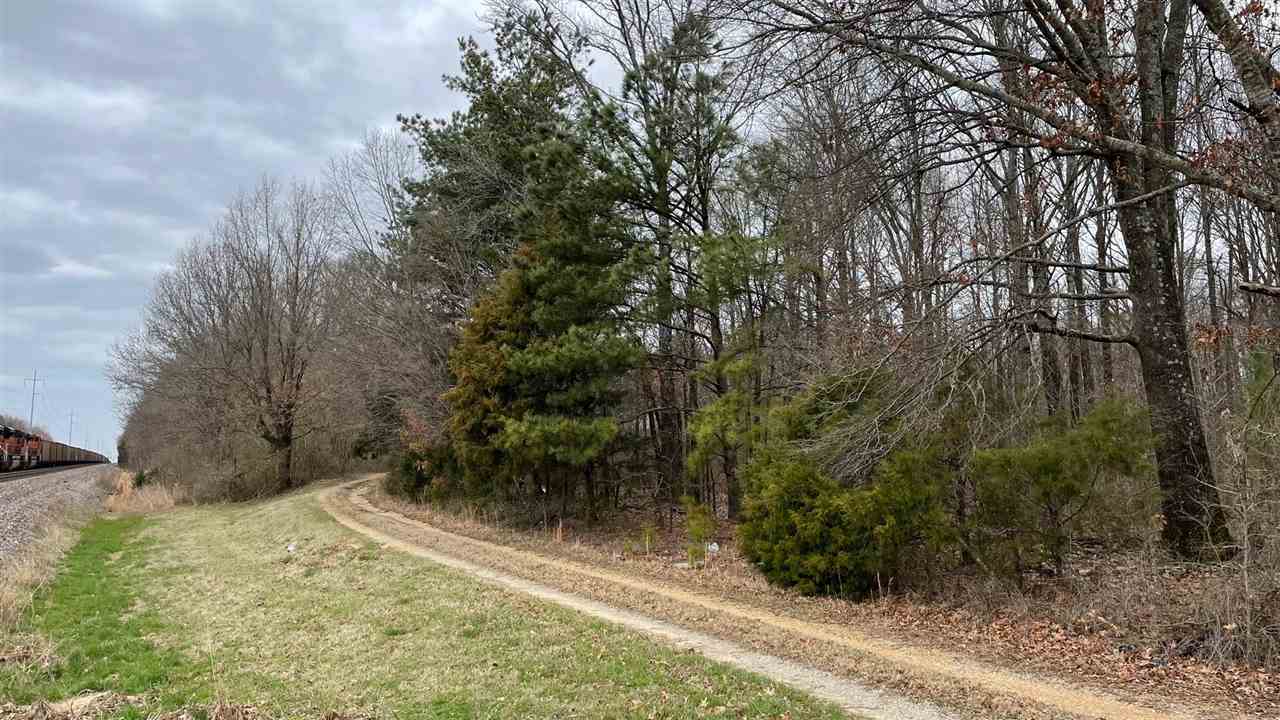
20 450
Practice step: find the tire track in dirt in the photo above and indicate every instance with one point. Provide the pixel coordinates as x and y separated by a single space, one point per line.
859 700
347 504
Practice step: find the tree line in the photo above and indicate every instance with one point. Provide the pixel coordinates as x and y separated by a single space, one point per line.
19 423
898 286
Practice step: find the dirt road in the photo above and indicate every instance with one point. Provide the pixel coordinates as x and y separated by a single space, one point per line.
1000 691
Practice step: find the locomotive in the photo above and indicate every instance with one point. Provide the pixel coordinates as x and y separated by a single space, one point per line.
20 450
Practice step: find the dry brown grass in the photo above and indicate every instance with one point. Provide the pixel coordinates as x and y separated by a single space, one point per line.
82 707
157 497
24 573
94 705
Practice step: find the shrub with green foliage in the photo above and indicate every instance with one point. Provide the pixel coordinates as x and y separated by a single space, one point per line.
404 479
428 472
805 531
793 527
700 528
833 402
1033 497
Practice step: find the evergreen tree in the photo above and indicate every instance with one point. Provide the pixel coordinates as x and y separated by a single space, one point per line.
538 363
464 211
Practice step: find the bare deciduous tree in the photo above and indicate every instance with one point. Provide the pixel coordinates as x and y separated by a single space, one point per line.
1099 81
234 330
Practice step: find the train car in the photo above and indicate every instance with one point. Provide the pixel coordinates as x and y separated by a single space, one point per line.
56 453
9 441
21 450
18 446
35 450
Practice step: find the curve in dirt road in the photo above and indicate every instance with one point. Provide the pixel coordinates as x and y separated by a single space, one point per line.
347 505
859 700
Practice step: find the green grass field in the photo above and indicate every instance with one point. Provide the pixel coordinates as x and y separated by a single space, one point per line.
206 604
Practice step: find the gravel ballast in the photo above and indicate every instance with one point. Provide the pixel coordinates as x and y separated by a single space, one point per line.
29 503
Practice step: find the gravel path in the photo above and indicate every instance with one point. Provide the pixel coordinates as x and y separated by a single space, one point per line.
27 503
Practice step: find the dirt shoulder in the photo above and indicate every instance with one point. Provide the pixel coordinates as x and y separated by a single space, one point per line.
860 700
973 688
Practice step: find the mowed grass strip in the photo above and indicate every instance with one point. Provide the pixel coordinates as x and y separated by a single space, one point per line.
98 631
209 604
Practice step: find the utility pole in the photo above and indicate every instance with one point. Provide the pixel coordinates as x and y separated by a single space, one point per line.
31 418
71 423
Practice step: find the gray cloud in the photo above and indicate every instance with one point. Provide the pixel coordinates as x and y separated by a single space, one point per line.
125 125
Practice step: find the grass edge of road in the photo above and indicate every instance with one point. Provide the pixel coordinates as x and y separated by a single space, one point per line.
111 618
89 624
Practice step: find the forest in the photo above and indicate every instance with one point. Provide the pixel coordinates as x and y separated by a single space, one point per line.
914 295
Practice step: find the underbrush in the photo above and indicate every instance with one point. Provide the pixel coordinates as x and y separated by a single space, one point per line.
133 494
1138 603
195 473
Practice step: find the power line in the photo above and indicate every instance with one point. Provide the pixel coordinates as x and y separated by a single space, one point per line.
34 380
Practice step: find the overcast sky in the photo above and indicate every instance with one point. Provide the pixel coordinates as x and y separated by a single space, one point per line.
126 125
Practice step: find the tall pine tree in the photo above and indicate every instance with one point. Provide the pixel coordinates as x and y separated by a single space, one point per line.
538 364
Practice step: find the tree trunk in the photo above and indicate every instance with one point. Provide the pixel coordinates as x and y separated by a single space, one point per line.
820 308
1081 370
1050 372
1217 327
284 462
668 416
589 477
844 276
1015 224
1193 514
1235 400
1016 232
1102 245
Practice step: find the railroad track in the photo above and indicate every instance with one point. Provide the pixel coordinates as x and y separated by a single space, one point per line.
8 475
31 499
